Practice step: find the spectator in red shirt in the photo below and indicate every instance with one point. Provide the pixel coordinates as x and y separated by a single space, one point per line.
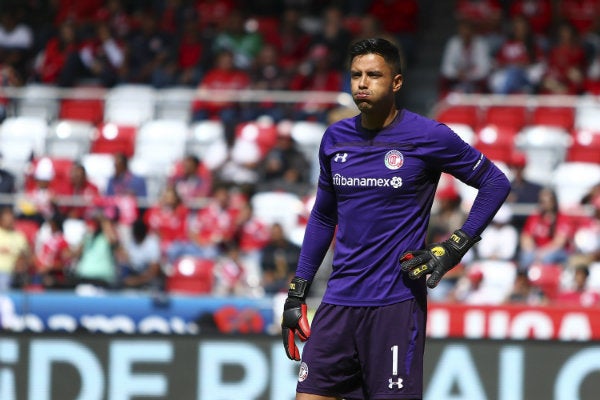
486 16
39 201
317 74
84 192
292 42
50 61
208 230
519 64
334 36
53 256
213 12
191 54
545 236
537 12
582 14
400 19
565 73
579 295
193 182
76 10
168 219
267 73
101 58
587 229
251 235
223 76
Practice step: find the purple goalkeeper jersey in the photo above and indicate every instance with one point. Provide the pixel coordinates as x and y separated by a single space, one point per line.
384 183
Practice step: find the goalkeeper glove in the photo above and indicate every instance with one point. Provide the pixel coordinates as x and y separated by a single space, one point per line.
438 258
294 317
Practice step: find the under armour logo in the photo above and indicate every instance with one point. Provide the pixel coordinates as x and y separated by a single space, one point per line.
340 157
398 383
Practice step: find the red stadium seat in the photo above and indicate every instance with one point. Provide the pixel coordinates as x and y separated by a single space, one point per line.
114 138
546 277
496 142
562 117
513 116
460 114
263 133
191 276
585 147
88 110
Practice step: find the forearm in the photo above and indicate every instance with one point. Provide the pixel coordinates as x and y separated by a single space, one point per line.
318 235
493 188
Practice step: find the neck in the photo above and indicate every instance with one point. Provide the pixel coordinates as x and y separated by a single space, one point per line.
376 122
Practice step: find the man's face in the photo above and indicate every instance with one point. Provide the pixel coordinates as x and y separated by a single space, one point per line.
373 82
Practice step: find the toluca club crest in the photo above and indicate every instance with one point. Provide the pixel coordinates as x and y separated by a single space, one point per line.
393 159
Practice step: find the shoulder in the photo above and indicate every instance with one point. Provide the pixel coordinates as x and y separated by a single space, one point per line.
425 127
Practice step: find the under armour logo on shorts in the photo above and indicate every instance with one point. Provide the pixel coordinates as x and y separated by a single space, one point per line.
398 383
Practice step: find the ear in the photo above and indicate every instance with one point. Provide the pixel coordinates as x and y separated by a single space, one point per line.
397 82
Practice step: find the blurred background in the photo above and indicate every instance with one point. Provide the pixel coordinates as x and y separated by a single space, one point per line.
158 164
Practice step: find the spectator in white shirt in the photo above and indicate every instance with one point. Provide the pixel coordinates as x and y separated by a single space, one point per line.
466 62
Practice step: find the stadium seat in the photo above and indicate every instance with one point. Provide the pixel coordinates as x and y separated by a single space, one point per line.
561 117
99 168
572 180
496 142
174 103
161 143
593 282
112 138
263 132
191 276
308 135
585 146
207 141
88 110
130 104
587 113
21 139
460 114
546 277
546 147
515 117
498 278
69 139
40 101
278 207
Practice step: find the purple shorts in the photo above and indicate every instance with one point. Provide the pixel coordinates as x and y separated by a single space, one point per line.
362 353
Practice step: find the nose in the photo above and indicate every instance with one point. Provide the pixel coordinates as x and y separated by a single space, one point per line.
362 81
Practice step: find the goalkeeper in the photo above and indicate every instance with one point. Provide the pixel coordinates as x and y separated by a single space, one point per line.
378 176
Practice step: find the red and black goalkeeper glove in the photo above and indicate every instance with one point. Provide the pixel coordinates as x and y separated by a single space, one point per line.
294 317
438 258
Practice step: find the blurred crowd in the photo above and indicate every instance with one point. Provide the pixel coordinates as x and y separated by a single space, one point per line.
524 46
66 233
219 44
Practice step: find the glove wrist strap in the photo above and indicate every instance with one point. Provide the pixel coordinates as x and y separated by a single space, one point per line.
298 288
461 242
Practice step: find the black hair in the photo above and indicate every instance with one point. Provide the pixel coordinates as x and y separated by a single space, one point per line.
380 46
139 229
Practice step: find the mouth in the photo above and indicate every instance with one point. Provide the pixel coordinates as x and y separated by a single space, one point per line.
361 95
